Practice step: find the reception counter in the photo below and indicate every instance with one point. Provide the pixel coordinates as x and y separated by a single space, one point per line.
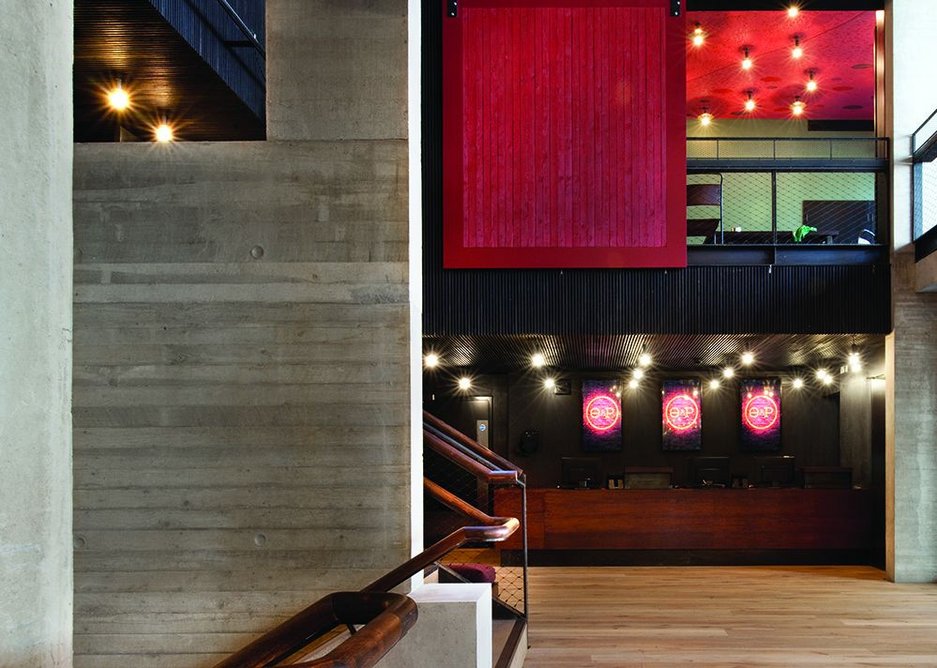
764 519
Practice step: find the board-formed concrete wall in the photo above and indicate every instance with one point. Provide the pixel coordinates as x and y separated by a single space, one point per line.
242 386
35 334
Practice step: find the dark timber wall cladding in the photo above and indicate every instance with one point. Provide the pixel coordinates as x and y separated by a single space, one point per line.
745 299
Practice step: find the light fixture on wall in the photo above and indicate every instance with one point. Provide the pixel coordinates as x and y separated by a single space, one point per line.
638 373
714 384
824 376
748 358
698 35
549 383
798 51
431 360
811 85
163 133
750 101
855 359
728 372
747 62
797 383
633 384
465 383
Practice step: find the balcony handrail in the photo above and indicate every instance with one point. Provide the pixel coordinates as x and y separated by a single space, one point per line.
430 420
879 147
386 618
489 530
472 464
243 27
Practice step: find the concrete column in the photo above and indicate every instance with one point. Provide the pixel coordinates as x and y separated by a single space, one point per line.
35 336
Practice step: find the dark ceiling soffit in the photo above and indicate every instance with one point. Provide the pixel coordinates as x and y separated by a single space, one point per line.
773 5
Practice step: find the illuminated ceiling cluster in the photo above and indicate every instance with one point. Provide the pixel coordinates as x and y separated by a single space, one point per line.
777 65
119 101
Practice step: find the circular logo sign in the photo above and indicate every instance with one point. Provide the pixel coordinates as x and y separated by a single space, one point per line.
760 412
602 413
681 412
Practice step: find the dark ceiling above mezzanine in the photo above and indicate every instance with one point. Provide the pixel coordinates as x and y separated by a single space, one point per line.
130 40
671 353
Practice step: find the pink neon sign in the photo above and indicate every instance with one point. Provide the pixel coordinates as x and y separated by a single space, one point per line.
760 412
682 412
602 412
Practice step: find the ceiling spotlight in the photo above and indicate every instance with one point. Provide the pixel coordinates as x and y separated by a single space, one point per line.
714 384
645 359
118 99
824 376
431 361
797 383
637 374
465 383
811 85
748 358
698 35
750 102
855 360
793 12
728 372
747 61
798 51
538 361
633 383
163 133
549 383
705 119
798 107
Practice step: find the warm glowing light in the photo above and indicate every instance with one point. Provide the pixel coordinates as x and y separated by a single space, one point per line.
645 360
793 12
798 383
118 99
824 376
638 374
163 133
728 372
798 107
750 103
634 383
811 86
798 51
549 383
855 361
431 361
748 358
714 384
537 360
698 36
705 119
465 383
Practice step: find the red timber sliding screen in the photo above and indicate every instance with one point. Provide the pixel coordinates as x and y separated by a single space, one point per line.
564 134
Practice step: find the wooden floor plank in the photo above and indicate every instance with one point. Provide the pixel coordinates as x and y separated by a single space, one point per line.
729 616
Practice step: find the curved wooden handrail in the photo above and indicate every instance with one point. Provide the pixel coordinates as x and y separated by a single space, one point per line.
453 433
491 529
470 464
386 618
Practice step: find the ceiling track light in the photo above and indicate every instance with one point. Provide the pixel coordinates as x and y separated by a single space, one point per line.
118 98
705 118
698 35
750 101
747 61
798 107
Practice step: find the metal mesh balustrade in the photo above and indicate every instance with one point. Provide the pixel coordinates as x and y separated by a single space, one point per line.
780 207
925 198
472 561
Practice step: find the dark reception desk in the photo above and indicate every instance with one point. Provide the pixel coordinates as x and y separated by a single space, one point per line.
764 519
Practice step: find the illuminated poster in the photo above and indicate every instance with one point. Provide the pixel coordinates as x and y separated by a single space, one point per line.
682 415
761 414
601 416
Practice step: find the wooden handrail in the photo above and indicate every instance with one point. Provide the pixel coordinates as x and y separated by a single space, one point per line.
492 530
451 432
447 450
386 618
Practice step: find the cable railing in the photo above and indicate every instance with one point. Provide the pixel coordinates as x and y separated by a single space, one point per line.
924 188
815 153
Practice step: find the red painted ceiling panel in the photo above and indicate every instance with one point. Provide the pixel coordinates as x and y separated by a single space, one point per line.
838 46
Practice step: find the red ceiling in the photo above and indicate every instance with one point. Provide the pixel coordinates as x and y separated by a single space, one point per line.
839 46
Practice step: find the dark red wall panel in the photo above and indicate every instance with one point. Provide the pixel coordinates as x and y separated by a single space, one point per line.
563 134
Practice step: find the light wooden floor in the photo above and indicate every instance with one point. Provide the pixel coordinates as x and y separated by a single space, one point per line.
729 616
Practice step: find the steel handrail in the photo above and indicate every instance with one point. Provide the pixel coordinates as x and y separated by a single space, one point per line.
434 422
478 468
244 28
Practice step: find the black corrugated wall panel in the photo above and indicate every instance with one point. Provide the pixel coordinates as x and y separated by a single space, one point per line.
695 300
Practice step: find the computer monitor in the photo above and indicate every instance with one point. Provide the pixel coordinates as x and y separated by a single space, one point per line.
775 471
709 472
580 472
